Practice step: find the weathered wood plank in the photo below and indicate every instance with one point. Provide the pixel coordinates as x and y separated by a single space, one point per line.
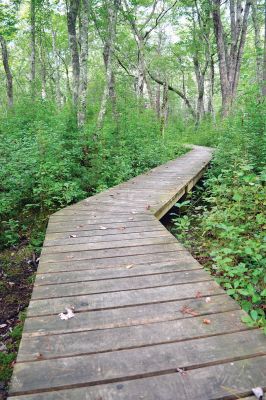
102 232
66 227
116 285
108 245
111 262
188 267
230 380
113 252
101 219
139 362
128 316
122 299
105 238
89 342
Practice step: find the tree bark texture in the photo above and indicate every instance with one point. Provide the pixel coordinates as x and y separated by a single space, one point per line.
230 58
9 78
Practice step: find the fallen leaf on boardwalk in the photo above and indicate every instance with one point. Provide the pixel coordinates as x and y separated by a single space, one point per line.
134 212
198 295
181 371
70 256
208 300
39 356
79 226
72 236
206 321
103 227
121 228
131 219
69 314
129 266
258 392
188 310
148 207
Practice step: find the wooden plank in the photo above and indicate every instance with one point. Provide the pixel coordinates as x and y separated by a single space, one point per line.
101 219
89 342
188 267
113 252
76 239
108 245
111 262
128 316
122 299
230 380
101 232
68 227
115 285
140 362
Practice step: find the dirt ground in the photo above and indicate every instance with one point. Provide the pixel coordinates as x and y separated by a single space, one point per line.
17 271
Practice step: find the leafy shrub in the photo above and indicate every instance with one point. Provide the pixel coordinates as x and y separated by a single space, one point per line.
228 226
44 166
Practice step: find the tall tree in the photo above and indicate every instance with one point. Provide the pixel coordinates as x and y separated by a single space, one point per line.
9 77
230 55
72 14
257 41
112 9
141 34
33 46
83 83
264 56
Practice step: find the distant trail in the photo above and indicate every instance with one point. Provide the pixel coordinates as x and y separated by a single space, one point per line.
149 322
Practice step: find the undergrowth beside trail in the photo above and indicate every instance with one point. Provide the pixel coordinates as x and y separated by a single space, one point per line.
223 223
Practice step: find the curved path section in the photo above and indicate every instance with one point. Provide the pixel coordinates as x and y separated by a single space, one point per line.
146 321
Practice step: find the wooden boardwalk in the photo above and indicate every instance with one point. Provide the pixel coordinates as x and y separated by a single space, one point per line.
149 323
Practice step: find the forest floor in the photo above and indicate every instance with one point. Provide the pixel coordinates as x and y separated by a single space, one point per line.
17 271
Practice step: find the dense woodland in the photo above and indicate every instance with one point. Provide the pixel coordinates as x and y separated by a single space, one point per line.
95 92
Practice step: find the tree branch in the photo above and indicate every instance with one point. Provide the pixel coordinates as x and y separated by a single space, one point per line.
180 94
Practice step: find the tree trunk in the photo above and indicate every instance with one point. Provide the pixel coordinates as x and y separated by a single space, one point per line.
43 68
257 42
164 108
211 87
83 84
33 47
58 96
9 78
264 57
109 48
230 60
200 84
72 12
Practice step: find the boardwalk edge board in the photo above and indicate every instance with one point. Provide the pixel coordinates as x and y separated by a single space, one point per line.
146 320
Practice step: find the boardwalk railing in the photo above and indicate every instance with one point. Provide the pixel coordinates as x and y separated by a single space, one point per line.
120 309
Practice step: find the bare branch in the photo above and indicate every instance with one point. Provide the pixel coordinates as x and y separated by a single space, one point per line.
178 92
158 20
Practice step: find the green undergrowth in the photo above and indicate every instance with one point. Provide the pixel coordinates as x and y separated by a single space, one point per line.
46 163
224 223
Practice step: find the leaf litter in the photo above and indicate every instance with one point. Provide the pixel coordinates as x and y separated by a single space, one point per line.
69 314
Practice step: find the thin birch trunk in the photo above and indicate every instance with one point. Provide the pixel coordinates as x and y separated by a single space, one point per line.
164 109
109 48
83 84
264 57
257 41
72 12
211 86
57 70
9 77
33 47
